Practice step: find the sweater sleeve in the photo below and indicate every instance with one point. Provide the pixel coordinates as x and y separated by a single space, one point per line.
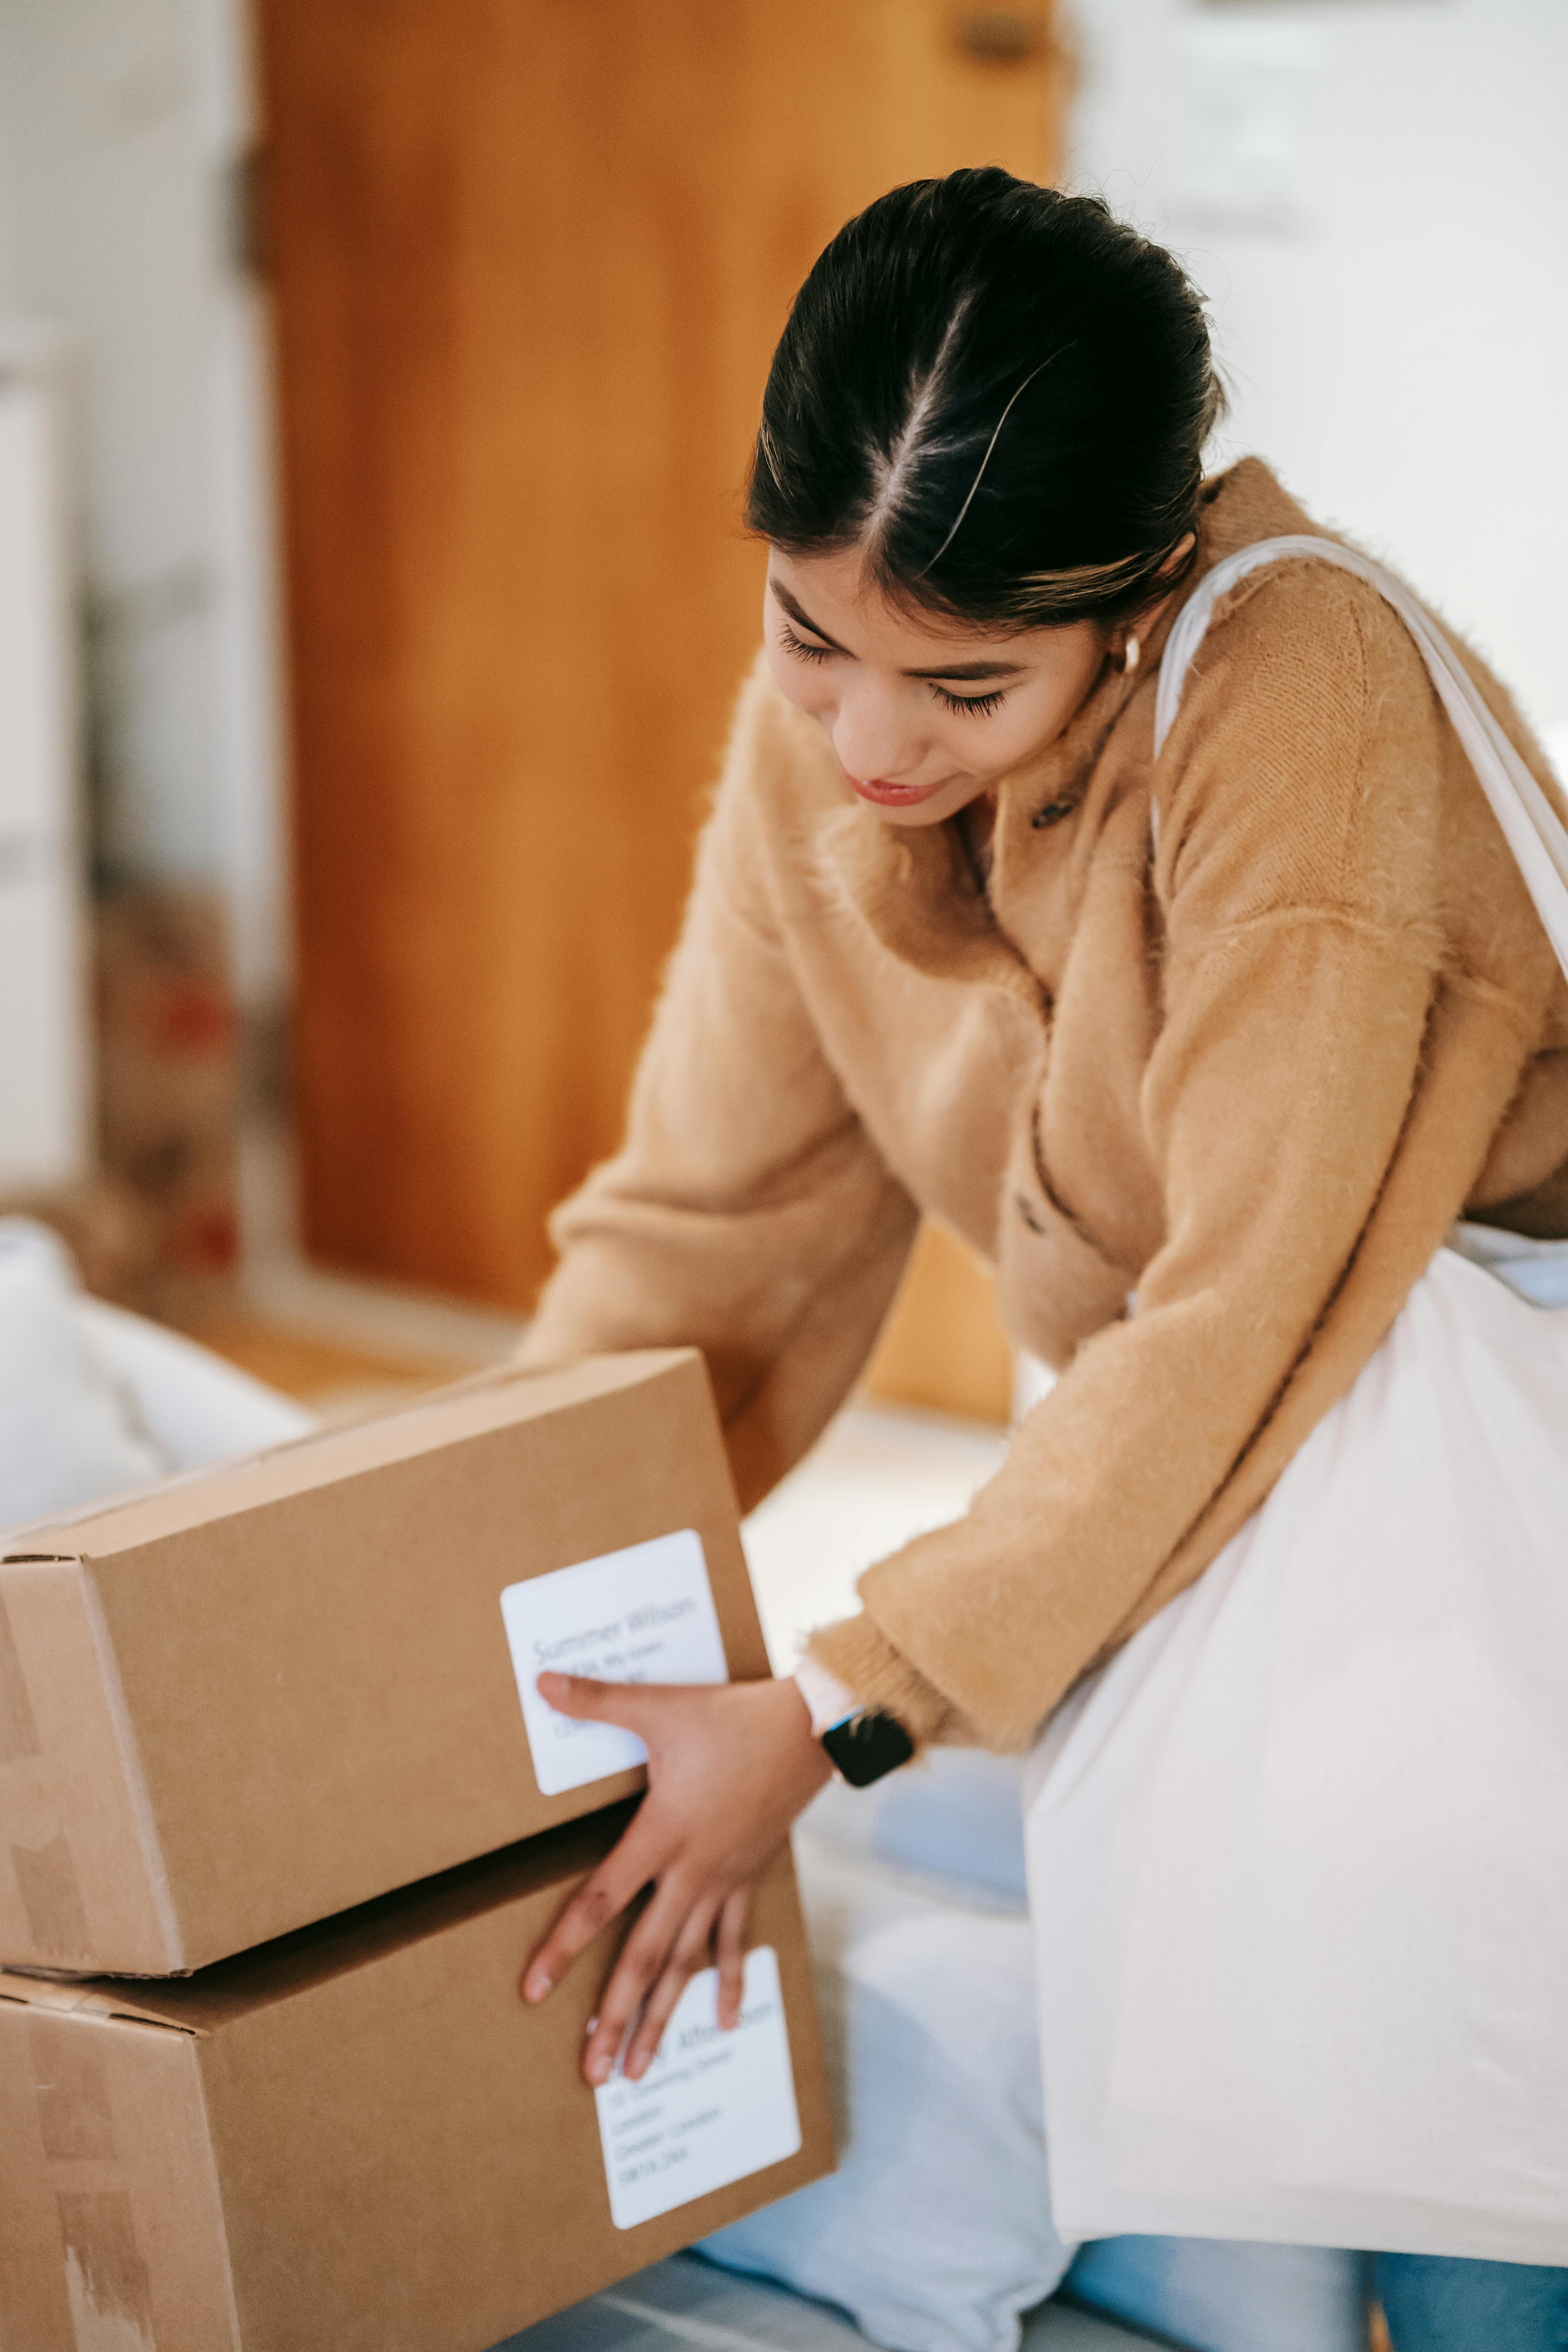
1295 873
747 1212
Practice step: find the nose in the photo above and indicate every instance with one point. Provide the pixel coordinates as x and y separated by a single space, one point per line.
874 735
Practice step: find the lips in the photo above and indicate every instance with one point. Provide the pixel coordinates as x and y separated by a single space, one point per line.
883 794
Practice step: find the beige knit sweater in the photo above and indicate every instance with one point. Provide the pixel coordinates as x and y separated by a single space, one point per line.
1253 1078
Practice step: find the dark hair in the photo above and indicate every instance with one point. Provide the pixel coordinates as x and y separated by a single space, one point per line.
1002 393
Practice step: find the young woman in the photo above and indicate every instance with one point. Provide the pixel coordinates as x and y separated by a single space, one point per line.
1241 1030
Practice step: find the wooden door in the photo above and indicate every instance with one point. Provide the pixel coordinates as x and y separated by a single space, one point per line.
529 259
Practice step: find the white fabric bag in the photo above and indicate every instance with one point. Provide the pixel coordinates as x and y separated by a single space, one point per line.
1298 1853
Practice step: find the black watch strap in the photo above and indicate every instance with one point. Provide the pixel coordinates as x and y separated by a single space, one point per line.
865 1746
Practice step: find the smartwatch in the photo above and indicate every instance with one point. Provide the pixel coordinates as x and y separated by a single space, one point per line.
861 1743
864 1747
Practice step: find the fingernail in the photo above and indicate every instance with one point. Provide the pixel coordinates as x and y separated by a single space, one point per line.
536 1988
598 2071
591 2029
636 2068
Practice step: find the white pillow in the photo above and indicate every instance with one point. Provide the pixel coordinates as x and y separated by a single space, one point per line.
196 1408
68 1434
935 2232
94 1401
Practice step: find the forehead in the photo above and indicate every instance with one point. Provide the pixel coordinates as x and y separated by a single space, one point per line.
835 593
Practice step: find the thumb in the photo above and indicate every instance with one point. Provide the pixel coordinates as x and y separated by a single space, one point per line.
588 1701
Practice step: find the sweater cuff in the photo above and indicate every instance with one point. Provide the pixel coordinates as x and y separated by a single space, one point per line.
860 1655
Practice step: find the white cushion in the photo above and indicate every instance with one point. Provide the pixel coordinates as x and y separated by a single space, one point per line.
935 2232
69 1431
196 1408
94 1401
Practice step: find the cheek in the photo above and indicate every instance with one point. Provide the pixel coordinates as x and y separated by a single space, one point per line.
805 684
1020 731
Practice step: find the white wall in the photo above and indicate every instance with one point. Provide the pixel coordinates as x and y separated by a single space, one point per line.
1374 195
45 1087
118 122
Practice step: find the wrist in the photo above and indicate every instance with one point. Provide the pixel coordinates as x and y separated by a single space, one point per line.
827 1700
792 1736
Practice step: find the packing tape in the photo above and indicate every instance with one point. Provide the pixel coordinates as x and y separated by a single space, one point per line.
52 1898
71 2088
18 1732
106 2278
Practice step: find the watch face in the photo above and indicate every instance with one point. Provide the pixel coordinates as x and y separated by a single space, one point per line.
866 1747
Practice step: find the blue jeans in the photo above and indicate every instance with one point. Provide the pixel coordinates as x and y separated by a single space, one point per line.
1215 2297
1435 2306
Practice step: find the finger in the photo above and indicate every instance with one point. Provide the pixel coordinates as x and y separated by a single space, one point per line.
625 1703
619 1879
642 1963
692 1950
730 1943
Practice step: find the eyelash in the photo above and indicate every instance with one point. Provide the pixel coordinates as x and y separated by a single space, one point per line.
981 705
798 647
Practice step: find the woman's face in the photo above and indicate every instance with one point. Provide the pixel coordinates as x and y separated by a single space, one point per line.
923 714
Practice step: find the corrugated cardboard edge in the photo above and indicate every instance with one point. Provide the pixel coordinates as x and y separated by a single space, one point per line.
152 1853
214 2186
93 1785
346 1451
141 1516
152 1860
31 1539
100 2008
70 1996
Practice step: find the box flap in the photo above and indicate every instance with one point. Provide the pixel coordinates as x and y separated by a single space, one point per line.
353 1939
253 1981
103 1997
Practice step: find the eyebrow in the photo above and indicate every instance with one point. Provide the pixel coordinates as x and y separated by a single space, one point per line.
968 671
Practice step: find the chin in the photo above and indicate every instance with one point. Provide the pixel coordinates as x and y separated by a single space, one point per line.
934 811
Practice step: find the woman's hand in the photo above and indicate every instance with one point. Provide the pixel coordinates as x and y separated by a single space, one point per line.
729 1768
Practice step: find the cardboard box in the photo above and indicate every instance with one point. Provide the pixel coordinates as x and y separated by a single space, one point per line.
360 2141
253 1699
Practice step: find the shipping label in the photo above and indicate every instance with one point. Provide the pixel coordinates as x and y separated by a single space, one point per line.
712 2108
644 1614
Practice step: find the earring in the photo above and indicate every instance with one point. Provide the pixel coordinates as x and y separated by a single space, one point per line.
1129 653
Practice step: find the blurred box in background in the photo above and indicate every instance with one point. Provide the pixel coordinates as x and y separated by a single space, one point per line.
168 1057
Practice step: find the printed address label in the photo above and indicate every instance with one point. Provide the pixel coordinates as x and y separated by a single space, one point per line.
644 1614
712 2108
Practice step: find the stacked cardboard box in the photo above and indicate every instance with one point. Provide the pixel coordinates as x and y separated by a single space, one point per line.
283 1815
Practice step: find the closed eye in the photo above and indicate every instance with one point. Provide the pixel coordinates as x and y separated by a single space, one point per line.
982 705
804 649
799 647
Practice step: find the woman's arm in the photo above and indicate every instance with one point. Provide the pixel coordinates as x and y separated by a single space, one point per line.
728 1770
1322 1092
747 1212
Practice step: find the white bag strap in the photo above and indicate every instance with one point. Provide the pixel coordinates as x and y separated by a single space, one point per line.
1531 825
